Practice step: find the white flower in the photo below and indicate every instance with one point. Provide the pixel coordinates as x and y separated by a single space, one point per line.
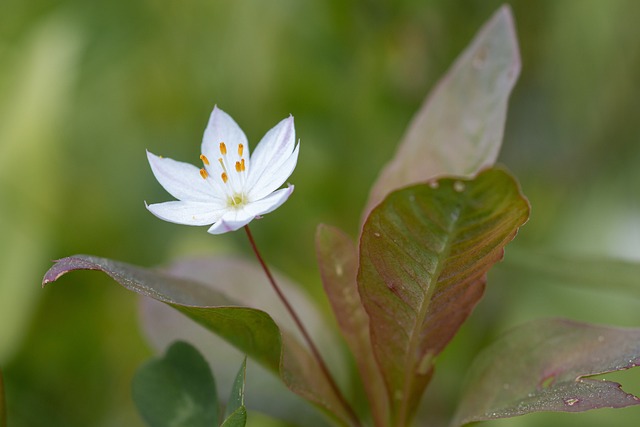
232 188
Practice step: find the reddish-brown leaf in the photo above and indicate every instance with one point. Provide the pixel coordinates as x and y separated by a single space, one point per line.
424 254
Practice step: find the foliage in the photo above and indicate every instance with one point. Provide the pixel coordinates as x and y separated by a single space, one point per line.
438 219
179 390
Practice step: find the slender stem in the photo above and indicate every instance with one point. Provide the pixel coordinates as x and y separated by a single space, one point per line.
303 330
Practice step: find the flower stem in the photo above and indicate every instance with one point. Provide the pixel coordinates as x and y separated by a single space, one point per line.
305 334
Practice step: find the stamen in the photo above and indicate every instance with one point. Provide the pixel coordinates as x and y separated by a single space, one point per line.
203 173
204 159
240 149
242 164
224 168
223 149
238 167
224 177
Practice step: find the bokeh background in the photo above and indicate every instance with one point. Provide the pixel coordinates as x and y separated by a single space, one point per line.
86 87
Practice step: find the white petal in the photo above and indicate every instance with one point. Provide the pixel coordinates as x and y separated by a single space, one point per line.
272 179
271 202
188 213
222 128
232 221
272 151
181 180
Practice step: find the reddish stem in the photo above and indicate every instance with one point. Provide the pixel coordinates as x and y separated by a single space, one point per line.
303 330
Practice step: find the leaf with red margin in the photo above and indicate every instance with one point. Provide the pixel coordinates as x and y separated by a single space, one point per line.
424 254
252 331
338 261
458 131
542 365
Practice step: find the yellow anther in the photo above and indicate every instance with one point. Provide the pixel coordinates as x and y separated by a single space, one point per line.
224 177
203 173
204 159
238 167
223 149
242 164
240 149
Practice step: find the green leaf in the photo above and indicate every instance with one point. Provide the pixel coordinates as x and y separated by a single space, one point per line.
250 330
338 260
243 280
542 365
458 131
3 407
176 390
236 398
237 419
424 255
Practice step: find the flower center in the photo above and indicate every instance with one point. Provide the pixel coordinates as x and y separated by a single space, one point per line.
236 201
233 178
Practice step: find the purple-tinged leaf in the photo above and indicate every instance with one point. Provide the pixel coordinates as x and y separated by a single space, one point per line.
252 331
542 365
458 131
424 255
338 260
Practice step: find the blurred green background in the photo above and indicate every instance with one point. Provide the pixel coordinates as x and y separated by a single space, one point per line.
86 87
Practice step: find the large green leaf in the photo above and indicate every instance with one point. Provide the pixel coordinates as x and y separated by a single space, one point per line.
458 131
338 261
424 254
542 365
177 390
252 331
243 280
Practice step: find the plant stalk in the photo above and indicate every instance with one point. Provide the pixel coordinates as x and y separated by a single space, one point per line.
303 330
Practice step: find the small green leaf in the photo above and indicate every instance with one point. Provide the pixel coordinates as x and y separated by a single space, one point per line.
542 365
236 398
424 254
3 407
237 419
458 131
177 390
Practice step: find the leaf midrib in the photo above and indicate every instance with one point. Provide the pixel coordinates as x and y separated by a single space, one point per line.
414 337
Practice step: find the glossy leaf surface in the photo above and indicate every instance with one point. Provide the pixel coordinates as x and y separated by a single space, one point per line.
458 131
176 390
542 365
424 254
252 331
338 261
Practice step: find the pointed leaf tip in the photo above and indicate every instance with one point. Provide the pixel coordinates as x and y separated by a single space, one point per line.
458 130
